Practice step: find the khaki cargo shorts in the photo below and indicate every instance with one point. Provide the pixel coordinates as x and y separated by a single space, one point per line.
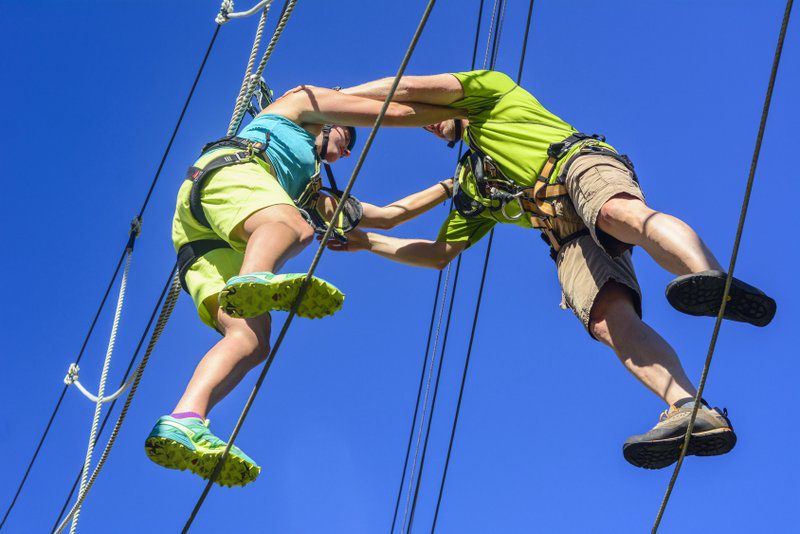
585 264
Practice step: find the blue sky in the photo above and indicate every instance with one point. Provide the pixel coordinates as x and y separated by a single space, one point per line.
91 93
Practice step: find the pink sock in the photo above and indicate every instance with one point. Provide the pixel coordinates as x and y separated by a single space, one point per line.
184 415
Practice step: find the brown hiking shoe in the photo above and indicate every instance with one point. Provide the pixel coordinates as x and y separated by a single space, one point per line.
712 435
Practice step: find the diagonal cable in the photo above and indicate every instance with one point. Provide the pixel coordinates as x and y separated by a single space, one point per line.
314 263
113 278
734 254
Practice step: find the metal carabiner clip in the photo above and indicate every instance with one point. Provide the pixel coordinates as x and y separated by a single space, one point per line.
521 209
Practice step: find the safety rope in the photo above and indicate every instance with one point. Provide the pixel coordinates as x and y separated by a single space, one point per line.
63 390
249 86
737 240
251 61
317 257
223 17
127 378
102 387
226 11
166 311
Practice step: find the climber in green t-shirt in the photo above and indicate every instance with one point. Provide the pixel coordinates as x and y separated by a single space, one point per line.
526 166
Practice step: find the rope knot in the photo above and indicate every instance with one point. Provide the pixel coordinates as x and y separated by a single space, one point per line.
136 227
224 11
72 374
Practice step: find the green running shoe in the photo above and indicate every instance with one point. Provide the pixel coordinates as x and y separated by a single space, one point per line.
189 444
251 295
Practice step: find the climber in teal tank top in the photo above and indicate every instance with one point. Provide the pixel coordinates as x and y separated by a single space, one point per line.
236 223
291 150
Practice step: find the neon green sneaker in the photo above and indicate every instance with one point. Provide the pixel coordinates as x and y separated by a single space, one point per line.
189 444
251 295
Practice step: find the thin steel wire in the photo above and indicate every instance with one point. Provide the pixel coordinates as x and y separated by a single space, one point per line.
419 395
425 402
736 242
314 263
433 316
435 393
475 317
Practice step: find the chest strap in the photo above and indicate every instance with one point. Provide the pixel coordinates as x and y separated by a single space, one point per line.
249 151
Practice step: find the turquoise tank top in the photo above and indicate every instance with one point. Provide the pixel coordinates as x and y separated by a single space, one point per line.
291 150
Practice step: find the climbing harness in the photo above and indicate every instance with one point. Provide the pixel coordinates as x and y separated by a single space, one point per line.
306 202
491 189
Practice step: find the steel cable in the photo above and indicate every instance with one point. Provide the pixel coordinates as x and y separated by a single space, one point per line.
314 263
113 278
433 316
737 240
477 310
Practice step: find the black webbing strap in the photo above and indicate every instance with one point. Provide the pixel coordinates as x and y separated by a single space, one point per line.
563 241
192 250
198 176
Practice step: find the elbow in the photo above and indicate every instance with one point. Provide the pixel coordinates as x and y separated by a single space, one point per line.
387 224
441 261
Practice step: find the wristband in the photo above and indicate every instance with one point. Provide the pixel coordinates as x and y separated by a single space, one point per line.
447 190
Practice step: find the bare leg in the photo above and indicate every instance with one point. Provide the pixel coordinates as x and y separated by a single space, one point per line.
245 345
653 362
669 241
273 235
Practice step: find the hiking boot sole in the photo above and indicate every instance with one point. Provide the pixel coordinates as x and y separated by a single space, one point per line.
700 294
662 453
251 299
174 455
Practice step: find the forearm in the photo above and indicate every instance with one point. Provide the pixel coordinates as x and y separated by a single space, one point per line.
405 209
315 105
416 252
379 89
437 89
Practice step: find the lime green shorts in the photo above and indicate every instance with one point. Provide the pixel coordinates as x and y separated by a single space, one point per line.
230 195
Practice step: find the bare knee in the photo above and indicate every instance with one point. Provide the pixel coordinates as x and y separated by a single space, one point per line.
250 337
305 234
613 309
624 210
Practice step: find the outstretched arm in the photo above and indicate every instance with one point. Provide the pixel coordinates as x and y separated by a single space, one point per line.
396 213
438 89
316 105
416 252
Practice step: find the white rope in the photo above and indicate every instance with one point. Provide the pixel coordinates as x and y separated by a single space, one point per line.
240 98
226 11
166 310
72 380
101 389
241 105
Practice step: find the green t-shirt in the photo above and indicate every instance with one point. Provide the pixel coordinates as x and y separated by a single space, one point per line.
511 126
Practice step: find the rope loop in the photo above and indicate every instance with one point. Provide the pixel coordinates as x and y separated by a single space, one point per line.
226 11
